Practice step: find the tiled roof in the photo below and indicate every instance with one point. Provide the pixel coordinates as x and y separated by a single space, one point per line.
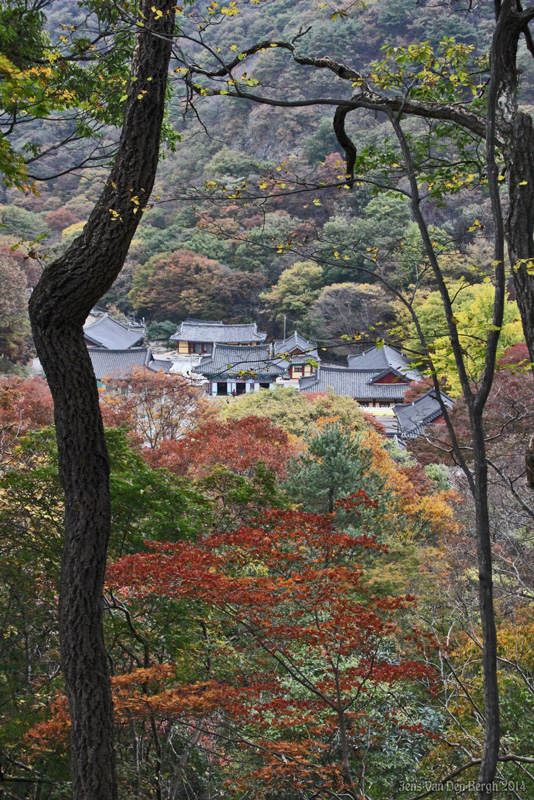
382 358
352 383
413 417
197 330
296 341
401 377
117 363
109 333
160 364
228 360
308 382
385 417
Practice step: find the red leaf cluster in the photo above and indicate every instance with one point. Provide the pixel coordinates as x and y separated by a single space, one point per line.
294 588
154 406
25 405
236 444
316 654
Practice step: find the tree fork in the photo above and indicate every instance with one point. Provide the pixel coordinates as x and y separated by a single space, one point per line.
60 303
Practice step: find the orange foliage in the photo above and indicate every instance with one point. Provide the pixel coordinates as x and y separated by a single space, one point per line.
237 444
317 654
25 405
52 732
153 405
425 509
323 650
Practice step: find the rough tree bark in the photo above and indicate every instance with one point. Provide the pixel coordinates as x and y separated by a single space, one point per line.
68 289
516 134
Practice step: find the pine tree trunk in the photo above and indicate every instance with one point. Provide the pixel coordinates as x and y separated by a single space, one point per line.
59 305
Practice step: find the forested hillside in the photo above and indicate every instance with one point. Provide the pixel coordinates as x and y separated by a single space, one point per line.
242 225
221 587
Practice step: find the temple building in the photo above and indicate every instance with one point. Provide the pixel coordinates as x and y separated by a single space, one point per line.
120 363
112 335
390 362
414 417
367 386
234 370
197 336
299 352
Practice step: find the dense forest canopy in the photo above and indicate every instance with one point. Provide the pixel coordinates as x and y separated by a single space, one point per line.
263 596
286 158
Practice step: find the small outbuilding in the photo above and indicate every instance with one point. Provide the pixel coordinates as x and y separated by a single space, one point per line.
413 418
119 363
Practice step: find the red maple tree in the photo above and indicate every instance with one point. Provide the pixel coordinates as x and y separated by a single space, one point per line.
25 405
153 405
316 658
237 444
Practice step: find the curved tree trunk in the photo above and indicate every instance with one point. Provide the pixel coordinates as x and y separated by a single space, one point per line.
59 305
517 135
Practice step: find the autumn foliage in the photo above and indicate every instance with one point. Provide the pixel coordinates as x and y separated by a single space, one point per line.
153 405
318 654
317 659
184 283
237 444
25 405
509 418
277 653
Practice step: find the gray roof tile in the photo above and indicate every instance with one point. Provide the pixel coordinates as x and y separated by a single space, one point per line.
160 365
193 330
352 383
109 333
117 363
293 342
413 417
382 358
228 360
